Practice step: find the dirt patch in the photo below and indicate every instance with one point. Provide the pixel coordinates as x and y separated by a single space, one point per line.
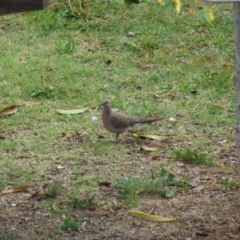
204 211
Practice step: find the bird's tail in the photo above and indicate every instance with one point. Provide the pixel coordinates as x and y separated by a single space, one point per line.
149 120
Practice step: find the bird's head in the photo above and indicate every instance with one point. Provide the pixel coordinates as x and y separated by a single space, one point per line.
105 103
106 106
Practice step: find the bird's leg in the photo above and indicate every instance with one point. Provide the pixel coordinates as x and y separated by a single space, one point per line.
117 135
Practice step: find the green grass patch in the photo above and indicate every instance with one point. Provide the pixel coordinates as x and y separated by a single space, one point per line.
88 202
9 235
229 184
70 225
156 183
53 190
194 157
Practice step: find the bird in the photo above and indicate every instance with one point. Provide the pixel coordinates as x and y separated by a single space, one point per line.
116 122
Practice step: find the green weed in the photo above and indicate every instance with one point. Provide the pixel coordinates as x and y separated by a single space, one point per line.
66 47
229 184
194 157
159 183
69 224
53 190
88 202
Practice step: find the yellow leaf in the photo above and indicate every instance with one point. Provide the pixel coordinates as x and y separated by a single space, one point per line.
159 2
177 5
72 111
9 110
209 17
210 14
190 11
151 217
149 136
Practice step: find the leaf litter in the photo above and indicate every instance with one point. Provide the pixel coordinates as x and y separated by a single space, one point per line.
9 110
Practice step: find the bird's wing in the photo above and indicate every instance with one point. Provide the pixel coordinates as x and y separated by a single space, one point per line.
122 121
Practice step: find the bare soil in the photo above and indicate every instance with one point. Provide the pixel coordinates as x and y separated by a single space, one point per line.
204 211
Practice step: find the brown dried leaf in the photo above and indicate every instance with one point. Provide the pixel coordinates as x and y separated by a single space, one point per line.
112 213
18 189
9 110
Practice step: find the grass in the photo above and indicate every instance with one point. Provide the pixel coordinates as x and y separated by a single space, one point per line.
194 157
53 190
88 202
158 183
69 224
8 236
229 184
175 66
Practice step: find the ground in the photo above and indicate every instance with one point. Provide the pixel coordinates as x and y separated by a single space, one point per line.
204 211
175 66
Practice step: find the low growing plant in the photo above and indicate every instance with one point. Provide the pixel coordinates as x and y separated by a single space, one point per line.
159 183
69 224
194 157
66 47
89 202
52 190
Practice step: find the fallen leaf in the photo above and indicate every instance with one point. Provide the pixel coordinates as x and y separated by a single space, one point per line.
208 14
211 15
149 136
171 119
177 5
9 110
72 111
198 188
151 217
156 96
112 213
150 148
131 34
59 167
104 87
145 66
105 184
190 11
17 189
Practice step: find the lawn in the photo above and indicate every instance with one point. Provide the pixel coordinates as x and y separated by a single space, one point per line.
149 61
